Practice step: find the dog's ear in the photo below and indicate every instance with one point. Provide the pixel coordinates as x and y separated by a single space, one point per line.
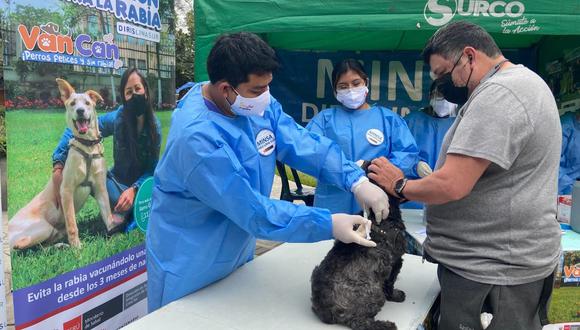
65 89
96 97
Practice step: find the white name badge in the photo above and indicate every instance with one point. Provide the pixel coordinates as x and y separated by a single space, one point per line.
265 142
375 137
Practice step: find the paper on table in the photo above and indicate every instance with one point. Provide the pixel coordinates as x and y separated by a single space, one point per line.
422 232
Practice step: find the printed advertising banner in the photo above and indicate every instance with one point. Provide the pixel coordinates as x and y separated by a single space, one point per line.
398 80
86 86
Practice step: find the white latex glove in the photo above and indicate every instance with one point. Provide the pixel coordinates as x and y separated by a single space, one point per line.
423 169
342 229
365 230
486 320
369 196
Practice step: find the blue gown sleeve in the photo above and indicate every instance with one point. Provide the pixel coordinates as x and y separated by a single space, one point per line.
215 176
565 182
107 123
404 151
313 154
106 126
316 124
149 171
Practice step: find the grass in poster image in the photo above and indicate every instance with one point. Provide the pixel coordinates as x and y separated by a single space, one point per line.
32 136
565 305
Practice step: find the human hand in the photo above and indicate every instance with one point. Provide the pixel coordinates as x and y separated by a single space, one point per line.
369 196
125 200
385 174
342 229
423 169
56 182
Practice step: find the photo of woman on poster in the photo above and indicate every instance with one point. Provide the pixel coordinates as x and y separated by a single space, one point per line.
136 142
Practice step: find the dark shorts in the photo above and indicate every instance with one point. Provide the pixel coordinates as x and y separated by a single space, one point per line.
513 307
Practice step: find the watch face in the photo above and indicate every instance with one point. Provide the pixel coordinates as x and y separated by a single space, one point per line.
399 185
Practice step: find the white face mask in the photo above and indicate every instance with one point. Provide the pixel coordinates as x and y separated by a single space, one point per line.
254 106
443 108
352 98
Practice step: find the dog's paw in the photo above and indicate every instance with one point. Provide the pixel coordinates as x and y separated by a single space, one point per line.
23 243
61 246
397 296
75 243
384 325
370 324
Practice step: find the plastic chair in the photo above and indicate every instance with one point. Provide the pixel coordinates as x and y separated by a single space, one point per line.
300 193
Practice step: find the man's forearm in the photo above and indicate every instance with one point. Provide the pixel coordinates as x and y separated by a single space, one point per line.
433 189
453 181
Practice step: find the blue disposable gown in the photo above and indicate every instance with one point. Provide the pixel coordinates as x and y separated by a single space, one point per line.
350 129
211 196
570 158
429 132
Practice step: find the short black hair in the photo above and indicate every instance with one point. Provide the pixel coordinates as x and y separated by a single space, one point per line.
343 66
450 40
235 56
435 89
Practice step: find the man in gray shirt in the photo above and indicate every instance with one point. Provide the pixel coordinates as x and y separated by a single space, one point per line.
491 214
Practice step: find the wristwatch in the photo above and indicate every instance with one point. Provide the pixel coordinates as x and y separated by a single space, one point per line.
399 186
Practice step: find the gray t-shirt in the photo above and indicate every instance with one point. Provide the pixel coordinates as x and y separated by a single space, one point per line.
505 231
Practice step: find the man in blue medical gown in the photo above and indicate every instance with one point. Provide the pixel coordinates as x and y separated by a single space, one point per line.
212 184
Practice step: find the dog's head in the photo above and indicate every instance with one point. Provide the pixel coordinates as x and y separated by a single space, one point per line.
394 202
81 116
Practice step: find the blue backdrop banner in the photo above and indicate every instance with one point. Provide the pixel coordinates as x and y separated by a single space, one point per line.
399 80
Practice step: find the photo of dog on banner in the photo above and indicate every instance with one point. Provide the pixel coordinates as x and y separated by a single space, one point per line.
51 214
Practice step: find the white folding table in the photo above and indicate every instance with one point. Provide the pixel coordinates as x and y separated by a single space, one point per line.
273 292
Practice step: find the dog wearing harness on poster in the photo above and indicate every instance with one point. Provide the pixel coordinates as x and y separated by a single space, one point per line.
42 220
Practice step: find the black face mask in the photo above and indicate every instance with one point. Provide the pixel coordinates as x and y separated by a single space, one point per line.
137 104
450 92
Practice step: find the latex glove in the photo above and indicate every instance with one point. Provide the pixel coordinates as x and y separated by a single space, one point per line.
342 229
423 169
385 174
365 230
369 196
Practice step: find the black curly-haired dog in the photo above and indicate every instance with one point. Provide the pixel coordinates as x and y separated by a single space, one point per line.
353 282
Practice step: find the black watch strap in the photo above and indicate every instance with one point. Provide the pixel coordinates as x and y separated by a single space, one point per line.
399 186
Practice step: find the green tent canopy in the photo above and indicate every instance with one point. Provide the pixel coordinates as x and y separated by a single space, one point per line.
383 24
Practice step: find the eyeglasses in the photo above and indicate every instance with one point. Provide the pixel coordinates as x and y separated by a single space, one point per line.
456 62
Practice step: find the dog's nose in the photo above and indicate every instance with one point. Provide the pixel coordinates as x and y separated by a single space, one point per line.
80 112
